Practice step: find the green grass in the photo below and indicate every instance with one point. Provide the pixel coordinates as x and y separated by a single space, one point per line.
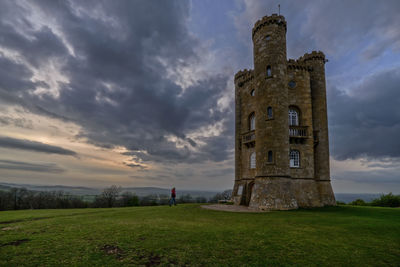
189 235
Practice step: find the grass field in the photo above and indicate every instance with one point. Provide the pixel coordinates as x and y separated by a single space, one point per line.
189 235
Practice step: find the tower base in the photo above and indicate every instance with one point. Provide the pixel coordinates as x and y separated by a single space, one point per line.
284 193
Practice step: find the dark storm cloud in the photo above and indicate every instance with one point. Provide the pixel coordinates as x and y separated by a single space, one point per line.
335 27
367 122
23 144
26 166
14 76
18 122
119 88
134 166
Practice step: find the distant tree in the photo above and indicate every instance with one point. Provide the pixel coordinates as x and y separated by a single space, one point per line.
225 195
358 202
340 202
201 200
185 198
110 194
388 200
149 200
129 199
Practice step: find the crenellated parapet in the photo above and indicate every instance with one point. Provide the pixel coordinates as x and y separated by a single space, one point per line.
243 77
298 65
314 55
267 20
281 126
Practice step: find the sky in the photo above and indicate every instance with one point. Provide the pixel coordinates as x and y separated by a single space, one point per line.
141 93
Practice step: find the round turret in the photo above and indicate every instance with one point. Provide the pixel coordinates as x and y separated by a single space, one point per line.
270 84
269 41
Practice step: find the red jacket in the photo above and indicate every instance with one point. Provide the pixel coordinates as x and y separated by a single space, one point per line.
173 193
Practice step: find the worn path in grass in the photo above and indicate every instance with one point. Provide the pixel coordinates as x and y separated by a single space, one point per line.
190 235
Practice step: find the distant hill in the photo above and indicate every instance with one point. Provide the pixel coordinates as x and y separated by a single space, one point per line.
351 197
145 191
82 191
75 190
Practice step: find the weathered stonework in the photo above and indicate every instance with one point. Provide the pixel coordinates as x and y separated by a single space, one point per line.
268 92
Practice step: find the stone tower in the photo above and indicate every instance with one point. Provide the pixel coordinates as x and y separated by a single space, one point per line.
281 135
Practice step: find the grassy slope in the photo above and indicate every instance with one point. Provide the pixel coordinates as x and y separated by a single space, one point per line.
186 234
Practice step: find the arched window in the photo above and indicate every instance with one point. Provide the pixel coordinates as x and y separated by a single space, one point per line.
293 117
240 190
269 74
252 122
269 113
294 159
253 160
253 92
270 158
267 38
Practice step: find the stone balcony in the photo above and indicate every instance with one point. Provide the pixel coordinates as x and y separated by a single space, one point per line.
298 131
249 138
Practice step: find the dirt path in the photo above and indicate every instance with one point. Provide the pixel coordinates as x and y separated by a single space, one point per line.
231 208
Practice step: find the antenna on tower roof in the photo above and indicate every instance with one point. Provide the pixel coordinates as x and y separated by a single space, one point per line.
279 9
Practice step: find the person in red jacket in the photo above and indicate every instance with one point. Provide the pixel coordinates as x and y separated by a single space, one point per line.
173 196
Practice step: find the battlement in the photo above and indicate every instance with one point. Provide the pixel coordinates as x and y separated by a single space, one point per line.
314 55
298 65
267 20
281 126
243 76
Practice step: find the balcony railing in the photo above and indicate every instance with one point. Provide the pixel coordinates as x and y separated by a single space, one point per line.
298 131
249 137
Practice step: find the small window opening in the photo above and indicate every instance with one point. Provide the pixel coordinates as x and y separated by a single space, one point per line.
253 92
253 160
269 112
294 159
267 38
270 156
292 84
269 74
240 190
252 122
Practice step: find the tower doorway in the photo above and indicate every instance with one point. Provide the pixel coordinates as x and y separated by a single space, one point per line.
248 193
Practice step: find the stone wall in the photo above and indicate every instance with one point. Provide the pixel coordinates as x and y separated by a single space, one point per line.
273 185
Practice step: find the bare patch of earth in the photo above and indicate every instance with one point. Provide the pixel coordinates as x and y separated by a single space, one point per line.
15 243
231 208
9 228
113 250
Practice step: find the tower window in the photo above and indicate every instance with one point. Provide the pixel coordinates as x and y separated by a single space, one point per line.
269 113
253 92
240 190
253 160
252 122
292 84
293 117
269 73
294 159
267 38
270 158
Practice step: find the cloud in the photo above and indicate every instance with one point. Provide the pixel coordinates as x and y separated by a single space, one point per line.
115 62
335 27
26 166
18 122
366 122
13 143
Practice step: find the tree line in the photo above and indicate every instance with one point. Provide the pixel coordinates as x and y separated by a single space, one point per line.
385 200
113 196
